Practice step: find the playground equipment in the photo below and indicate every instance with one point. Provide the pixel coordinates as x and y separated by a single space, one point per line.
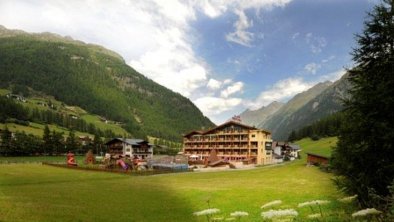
71 159
121 163
89 157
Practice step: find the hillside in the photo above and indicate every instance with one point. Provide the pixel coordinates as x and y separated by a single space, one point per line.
279 122
303 109
255 117
97 80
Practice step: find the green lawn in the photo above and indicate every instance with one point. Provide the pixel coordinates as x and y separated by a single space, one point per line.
322 146
33 192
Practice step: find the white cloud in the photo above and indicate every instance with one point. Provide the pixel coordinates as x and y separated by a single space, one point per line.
280 91
240 35
214 84
234 88
295 35
216 105
312 68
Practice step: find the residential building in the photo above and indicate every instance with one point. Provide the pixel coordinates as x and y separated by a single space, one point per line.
284 149
134 148
232 141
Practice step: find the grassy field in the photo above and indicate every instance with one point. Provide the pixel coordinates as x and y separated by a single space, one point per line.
322 146
33 192
38 159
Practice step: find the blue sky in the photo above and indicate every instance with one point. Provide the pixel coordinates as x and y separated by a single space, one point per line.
225 55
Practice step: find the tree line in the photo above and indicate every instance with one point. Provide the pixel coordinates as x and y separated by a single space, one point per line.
51 143
326 127
14 112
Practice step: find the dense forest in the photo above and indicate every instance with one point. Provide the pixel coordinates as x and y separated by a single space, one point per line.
98 81
328 126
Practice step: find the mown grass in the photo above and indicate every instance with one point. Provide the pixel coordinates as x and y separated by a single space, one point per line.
32 192
38 159
322 146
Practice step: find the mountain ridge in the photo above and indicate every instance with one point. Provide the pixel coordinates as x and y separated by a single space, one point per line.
97 80
304 108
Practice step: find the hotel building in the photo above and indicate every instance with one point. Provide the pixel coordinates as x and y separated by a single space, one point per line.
232 141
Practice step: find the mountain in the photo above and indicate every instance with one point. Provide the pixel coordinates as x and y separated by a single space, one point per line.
303 109
307 107
97 80
255 117
278 123
324 104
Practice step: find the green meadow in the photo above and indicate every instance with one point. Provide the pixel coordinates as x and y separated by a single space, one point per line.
34 192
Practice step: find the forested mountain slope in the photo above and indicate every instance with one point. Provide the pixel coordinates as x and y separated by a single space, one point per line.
97 80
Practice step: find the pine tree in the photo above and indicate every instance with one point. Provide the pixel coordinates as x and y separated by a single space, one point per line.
6 141
364 153
71 142
47 140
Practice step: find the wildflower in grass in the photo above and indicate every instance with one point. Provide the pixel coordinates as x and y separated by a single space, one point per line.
313 202
365 212
239 214
230 219
272 203
313 216
207 212
348 199
217 219
279 213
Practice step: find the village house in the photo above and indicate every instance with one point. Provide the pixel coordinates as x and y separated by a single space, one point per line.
284 150
232 142
134 148
315 159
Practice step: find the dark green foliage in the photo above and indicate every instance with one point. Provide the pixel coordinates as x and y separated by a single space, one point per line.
98 81
328 126
71 142
19 144
11 109
364 154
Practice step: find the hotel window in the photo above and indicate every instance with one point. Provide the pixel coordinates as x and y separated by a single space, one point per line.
253 135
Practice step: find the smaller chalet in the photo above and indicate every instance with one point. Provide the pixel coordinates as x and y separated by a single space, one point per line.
315 159
283 149
134 148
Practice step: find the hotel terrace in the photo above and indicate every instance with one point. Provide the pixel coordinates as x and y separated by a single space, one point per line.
232 141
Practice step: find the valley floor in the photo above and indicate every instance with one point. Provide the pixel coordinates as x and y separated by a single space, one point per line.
33 192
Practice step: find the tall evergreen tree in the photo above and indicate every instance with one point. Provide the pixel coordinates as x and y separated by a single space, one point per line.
364 153
71 142
6 140
47 140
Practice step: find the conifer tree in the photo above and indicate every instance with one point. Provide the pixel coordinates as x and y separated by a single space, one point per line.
364 153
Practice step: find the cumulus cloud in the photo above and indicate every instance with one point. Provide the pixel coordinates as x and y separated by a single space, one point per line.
312 68
216 105
234 88
280 91
214 84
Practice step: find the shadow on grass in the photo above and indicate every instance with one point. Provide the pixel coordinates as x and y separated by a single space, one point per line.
79 196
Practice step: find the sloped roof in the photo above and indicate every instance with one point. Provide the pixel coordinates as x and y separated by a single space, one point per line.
129 141
294 146
222 125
